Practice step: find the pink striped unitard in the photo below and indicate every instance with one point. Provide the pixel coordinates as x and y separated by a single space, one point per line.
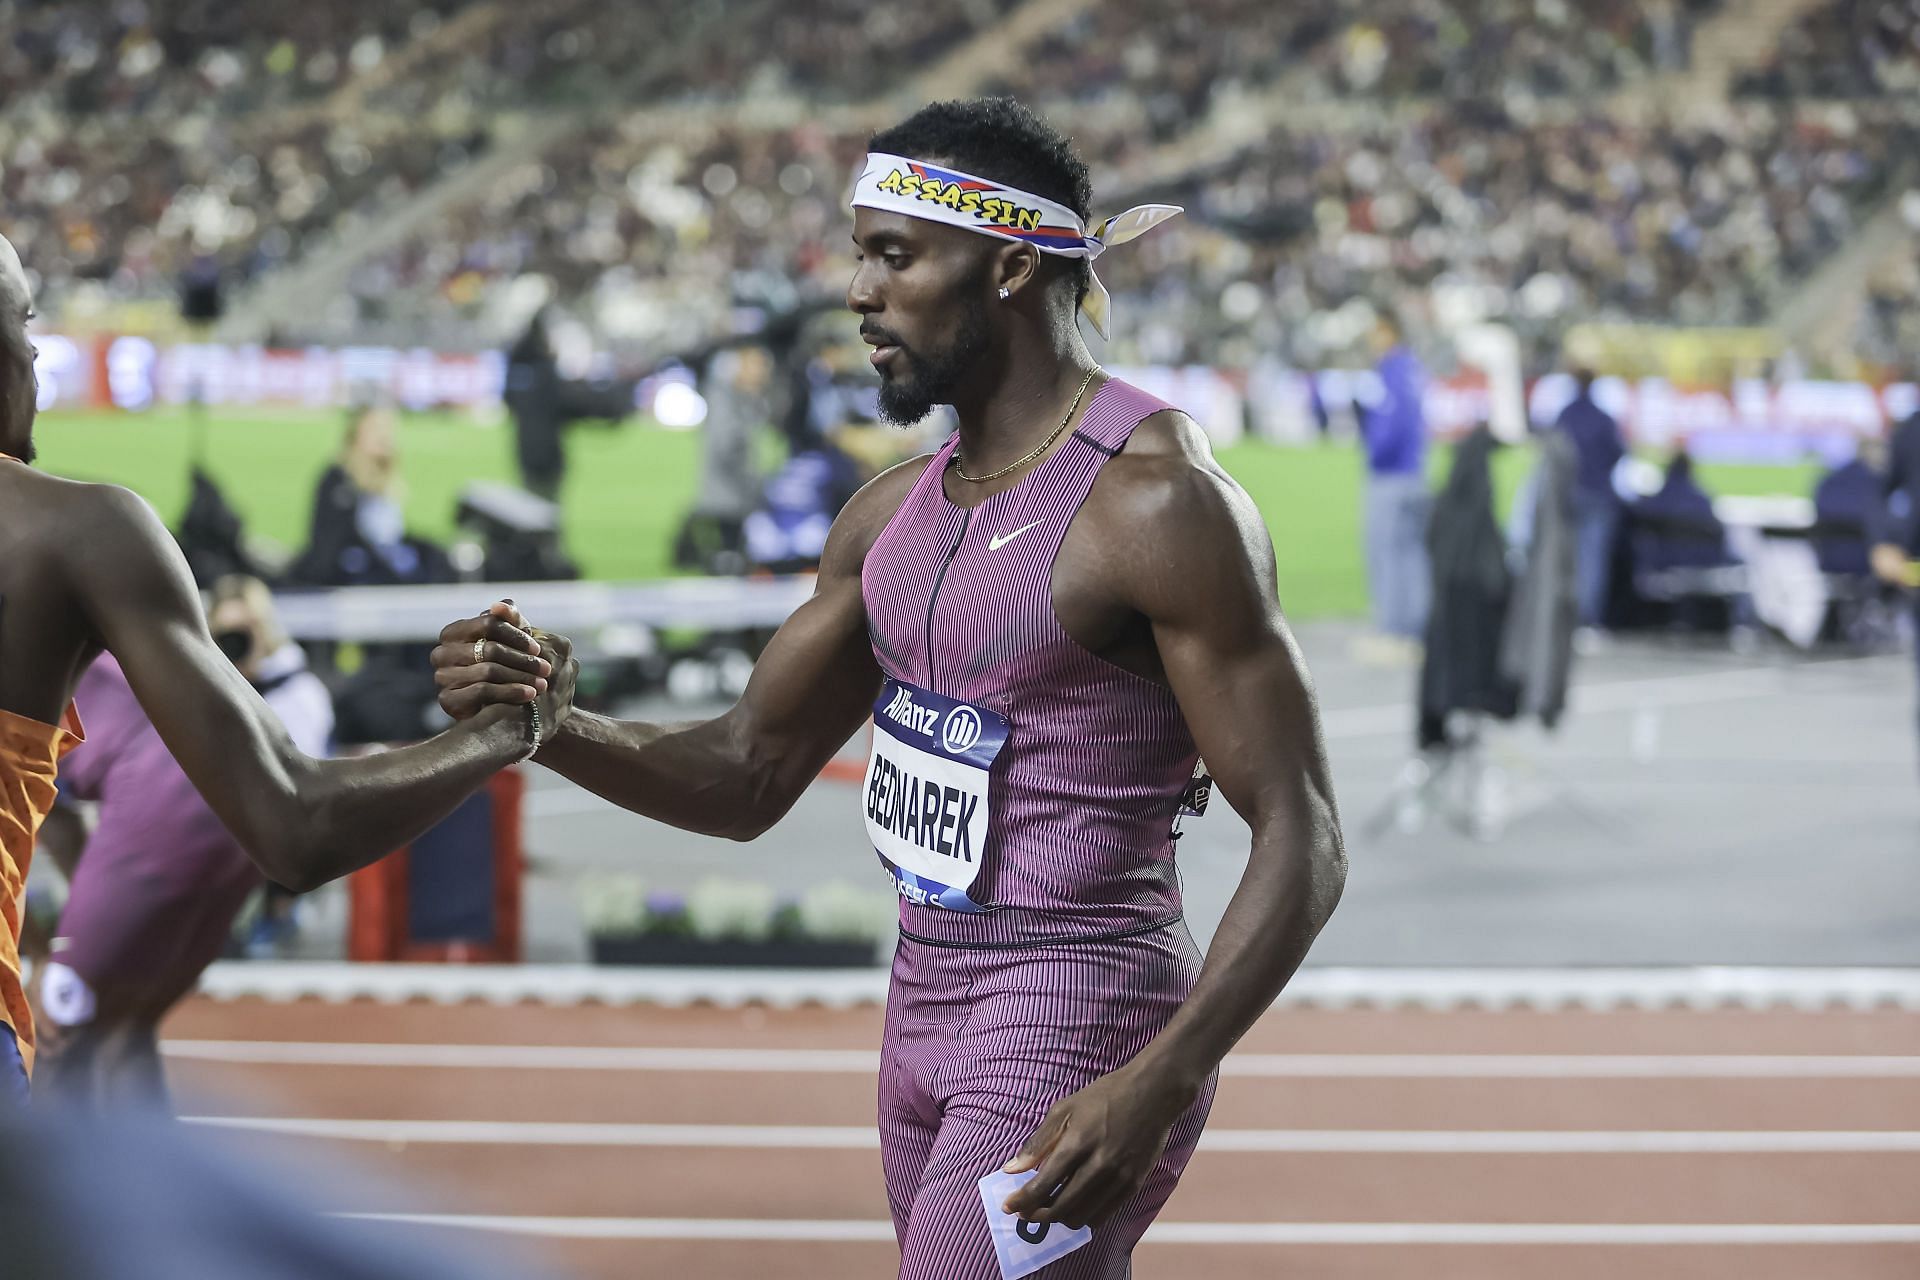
1042 944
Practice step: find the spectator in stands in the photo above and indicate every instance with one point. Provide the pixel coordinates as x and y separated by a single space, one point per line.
357 534
1679 548
1848 505
358 538
1690 534
1393 428
1598 448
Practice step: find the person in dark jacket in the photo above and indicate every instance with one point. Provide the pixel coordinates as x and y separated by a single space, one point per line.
533 396
1471 588
1682 531
1597 448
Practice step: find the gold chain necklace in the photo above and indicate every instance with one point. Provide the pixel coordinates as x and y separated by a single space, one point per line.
1038 449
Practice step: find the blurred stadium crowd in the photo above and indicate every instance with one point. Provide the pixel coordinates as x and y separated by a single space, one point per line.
1500 159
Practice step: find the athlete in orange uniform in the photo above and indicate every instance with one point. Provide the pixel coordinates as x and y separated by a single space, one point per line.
89 567
30 754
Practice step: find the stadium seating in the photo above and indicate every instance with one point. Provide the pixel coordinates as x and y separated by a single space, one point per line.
1845 49
1495 177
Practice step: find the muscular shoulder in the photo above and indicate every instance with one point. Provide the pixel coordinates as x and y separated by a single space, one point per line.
120 519
1165 482
110 537
1170 516
74 515
866 514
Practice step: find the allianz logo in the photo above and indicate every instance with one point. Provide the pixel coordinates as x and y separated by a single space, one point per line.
962 729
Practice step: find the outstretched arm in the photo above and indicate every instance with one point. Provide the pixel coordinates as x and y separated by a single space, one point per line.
304 821
1203 575
738 774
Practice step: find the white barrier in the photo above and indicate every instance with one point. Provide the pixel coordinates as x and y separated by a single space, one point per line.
383 614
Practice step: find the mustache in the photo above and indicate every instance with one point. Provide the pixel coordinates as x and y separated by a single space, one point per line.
885 336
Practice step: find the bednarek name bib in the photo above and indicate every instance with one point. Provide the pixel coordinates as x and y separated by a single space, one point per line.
928 801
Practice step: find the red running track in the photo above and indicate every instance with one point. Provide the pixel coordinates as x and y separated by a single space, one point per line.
721 1143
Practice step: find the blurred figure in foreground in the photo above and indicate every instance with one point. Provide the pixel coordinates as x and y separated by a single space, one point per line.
136 1198
156 885
1393 430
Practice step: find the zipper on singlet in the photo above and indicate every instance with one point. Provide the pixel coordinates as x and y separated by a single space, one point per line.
966 519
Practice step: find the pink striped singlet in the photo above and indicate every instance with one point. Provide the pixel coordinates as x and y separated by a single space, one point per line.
1072 834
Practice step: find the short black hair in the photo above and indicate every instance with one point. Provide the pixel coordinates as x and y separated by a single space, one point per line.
1003 139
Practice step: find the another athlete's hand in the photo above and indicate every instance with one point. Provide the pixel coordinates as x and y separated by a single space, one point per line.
1096 1147
556 703
509 667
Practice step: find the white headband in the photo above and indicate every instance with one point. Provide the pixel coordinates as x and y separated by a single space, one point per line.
900 185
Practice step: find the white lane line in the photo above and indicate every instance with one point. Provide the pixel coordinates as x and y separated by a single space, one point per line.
1377 1066
803 1230
528 1057
862 1138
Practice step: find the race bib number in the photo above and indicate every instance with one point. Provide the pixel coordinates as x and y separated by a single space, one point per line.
1024 1247
928 802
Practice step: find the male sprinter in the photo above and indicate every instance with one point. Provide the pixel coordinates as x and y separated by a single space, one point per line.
89 567
1050 621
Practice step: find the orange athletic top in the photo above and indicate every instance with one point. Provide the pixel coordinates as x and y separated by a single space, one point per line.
29 759
30 754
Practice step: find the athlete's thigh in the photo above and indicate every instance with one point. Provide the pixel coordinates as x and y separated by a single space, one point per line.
909 1118
907 1136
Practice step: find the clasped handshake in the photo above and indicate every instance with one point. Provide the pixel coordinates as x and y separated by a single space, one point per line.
499 657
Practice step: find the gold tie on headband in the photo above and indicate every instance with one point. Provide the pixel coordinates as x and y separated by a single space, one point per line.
1120 228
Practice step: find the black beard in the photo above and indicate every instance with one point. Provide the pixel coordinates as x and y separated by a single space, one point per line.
937 375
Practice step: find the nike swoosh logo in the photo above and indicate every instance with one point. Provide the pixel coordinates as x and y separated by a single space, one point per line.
1002 539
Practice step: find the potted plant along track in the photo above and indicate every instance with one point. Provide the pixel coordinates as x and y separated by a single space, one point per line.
735 923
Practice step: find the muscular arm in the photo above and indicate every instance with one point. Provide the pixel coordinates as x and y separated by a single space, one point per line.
1183 546
1242 684
303 821
737 775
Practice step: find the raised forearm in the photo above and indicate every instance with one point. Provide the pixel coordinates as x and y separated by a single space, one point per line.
357 811
1293 881
702 776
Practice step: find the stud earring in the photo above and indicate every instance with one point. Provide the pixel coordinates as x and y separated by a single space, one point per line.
1005 294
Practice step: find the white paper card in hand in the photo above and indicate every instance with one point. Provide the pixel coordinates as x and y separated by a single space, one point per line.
1024 1247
